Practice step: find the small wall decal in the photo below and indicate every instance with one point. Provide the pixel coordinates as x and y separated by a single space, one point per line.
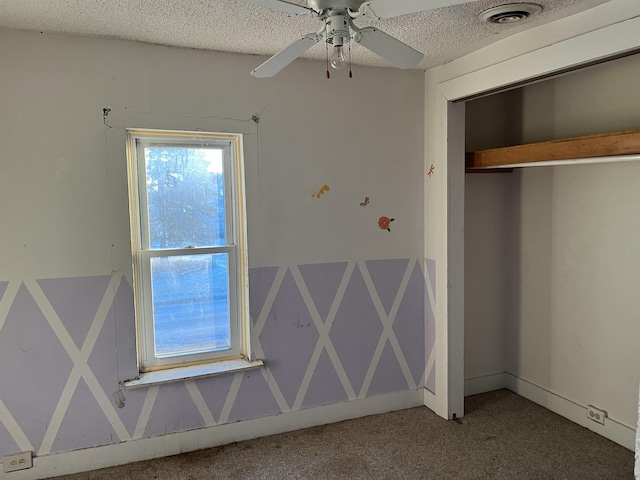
385 223
431 170
322 191
365 203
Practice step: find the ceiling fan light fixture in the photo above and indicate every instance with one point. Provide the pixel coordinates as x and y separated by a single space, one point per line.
338 60
510 13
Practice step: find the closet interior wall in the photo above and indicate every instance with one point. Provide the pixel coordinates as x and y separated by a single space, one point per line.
552 264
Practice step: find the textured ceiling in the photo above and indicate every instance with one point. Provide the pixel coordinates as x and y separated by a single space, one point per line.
237 26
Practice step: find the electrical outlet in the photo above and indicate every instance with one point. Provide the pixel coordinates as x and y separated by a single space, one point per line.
596 414
17 461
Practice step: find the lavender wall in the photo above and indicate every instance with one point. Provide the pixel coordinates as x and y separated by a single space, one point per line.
329 333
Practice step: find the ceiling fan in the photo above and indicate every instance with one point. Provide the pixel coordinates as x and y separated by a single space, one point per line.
337 26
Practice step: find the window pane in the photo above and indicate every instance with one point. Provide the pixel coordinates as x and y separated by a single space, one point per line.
190 304
185 196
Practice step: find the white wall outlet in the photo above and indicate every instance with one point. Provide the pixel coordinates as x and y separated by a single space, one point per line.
596 414
17 461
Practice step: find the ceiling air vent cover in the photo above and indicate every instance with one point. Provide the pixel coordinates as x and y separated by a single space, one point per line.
511 13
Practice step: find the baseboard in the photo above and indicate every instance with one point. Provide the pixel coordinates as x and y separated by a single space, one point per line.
637 467
486 383
613 430
175 443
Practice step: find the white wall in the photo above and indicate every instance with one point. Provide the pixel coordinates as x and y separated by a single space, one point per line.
576 327
485 295
360 136
490 123
572 318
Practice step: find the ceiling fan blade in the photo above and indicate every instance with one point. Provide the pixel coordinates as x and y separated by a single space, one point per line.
286 56
287 7
392 8
389 48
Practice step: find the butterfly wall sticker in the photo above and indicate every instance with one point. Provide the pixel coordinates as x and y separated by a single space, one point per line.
365 203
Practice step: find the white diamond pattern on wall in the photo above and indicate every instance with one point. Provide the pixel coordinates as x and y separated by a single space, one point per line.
329 333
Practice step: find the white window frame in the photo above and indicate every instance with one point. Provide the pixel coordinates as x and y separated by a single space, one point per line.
236 245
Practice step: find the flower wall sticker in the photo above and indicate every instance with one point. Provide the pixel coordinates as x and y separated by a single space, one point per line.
385 223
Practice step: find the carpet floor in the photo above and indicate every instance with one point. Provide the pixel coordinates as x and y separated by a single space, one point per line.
502 436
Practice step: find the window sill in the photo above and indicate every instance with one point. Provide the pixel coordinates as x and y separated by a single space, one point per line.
192 372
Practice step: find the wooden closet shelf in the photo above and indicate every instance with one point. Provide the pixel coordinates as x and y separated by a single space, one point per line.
603 145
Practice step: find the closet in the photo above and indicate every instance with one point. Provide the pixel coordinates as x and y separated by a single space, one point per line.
552 264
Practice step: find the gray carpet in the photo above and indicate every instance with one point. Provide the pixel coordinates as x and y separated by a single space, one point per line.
502 436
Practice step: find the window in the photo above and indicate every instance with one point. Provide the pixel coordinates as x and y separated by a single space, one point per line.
189 247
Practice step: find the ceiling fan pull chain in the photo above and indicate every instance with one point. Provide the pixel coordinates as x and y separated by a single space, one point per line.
350 72
326 51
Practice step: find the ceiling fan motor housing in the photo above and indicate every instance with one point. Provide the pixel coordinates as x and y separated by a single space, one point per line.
338 29
319 5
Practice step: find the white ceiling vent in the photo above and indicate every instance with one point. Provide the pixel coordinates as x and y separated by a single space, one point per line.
511 13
